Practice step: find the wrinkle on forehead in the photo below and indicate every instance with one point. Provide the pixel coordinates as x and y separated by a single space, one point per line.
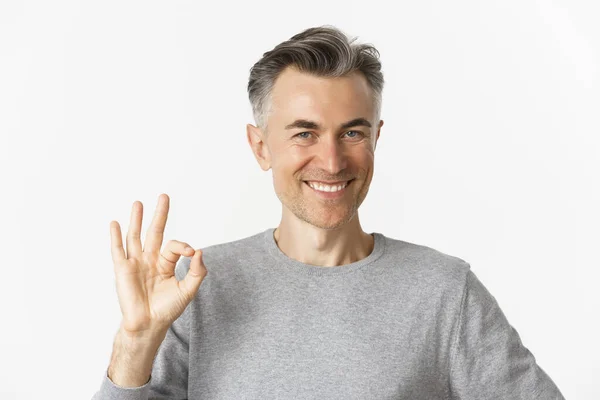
301 95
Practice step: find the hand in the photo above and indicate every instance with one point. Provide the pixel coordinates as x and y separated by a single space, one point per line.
150 296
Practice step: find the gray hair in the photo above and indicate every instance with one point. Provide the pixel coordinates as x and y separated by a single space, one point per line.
323 51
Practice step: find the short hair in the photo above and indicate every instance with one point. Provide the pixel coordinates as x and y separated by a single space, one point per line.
323 51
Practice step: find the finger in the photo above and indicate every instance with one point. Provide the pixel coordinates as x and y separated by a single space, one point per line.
190 284
116 243
155 234
134 244
173 250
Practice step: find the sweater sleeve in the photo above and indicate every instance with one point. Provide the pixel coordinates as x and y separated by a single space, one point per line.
169 376
488 359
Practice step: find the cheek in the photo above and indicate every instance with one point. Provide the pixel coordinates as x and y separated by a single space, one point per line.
362 161
289 162
285 171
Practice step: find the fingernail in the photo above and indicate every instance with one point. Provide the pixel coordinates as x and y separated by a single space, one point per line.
188 249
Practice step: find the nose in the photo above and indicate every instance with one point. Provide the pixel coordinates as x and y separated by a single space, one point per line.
332 155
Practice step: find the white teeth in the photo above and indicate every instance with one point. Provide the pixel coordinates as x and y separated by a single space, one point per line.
327 188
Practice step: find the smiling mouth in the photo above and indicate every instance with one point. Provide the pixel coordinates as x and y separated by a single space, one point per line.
328 188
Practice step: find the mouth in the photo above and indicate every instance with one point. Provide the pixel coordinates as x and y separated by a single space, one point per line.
331 190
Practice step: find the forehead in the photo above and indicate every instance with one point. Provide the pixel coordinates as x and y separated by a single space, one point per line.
325 99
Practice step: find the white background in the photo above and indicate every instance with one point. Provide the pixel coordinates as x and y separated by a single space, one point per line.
489 152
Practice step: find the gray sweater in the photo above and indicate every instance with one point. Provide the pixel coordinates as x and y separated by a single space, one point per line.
406 322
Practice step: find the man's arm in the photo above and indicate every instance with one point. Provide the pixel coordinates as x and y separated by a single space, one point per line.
488 359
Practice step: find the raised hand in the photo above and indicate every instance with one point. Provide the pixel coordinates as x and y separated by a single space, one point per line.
150 297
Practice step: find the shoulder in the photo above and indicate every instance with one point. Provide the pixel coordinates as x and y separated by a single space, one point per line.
427 263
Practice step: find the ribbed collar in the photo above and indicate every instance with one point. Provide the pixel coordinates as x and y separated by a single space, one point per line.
297 266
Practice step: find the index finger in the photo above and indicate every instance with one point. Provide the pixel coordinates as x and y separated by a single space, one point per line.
155 234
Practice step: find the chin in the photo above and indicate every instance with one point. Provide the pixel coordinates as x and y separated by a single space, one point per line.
318 213
328 221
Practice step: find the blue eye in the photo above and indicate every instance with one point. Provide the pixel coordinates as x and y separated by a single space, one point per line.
302 133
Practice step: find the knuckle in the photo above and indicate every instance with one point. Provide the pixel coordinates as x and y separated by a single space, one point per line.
167 257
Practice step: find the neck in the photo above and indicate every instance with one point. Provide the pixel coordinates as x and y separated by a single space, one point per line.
323 247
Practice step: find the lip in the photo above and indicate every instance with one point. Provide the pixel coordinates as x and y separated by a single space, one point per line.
329 195
329 183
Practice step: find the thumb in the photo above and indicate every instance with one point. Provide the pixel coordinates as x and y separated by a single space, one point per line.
194 277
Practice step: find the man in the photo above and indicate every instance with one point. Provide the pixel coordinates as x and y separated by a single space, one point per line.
315 308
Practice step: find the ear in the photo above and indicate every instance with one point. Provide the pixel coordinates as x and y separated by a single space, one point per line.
256 140
378 132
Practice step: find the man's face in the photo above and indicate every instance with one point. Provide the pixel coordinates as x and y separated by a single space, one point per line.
311 138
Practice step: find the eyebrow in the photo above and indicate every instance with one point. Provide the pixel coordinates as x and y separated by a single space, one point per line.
306 124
